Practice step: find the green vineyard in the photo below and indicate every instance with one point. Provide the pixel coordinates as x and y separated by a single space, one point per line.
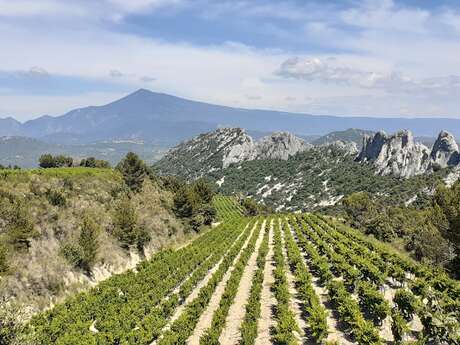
277 279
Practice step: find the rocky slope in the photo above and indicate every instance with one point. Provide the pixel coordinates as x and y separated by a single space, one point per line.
284 172
401 156
226 146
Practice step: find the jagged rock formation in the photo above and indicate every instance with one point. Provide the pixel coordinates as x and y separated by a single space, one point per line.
225 146
279 145
399 155
445 151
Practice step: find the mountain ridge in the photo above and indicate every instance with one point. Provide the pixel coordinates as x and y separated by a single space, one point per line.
169 119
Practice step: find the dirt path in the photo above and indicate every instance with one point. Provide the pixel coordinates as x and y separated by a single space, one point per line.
206 318
267 300
179 310
231 333
295 303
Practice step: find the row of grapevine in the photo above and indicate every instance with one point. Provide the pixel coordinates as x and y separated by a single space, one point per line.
286 325
125 305
227 207
317 314
182 328
252 310
211 335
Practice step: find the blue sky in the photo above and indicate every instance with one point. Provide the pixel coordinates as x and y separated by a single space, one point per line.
377 58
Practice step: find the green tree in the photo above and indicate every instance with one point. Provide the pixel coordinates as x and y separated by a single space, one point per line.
204 191
88 242
184 202
46 161
125 227
134 171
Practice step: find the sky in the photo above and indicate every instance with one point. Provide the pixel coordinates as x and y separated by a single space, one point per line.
347 57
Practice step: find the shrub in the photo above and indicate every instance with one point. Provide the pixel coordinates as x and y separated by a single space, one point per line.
73 253
3 259
18 223
250 206
56 198
92 162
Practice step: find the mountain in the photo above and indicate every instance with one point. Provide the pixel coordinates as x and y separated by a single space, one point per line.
350 135
401 156
166 120
284 172
219 149
9 126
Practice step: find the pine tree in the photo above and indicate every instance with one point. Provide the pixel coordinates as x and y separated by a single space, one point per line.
134 171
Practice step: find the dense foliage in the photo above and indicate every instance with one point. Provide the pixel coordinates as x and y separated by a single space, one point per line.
49 161
430 233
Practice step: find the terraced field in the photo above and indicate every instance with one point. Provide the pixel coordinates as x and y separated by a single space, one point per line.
281 279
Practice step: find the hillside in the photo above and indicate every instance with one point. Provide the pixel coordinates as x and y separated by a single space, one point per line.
166 120
311 178
63 230
249 280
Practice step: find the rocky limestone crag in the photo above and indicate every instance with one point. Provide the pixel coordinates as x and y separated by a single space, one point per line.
399 155
349 147
278 145
445 151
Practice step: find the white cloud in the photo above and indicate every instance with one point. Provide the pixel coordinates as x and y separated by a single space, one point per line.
330 71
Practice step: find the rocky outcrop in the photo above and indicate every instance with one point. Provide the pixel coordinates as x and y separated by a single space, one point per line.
279 145
445 151
225 146
399 155
349 147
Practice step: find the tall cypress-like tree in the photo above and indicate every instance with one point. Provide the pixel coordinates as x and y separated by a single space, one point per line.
88 241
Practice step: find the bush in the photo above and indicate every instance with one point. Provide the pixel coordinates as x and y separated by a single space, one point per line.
197 221
19 227
3 259
56 198
73 253
92 162
250 206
